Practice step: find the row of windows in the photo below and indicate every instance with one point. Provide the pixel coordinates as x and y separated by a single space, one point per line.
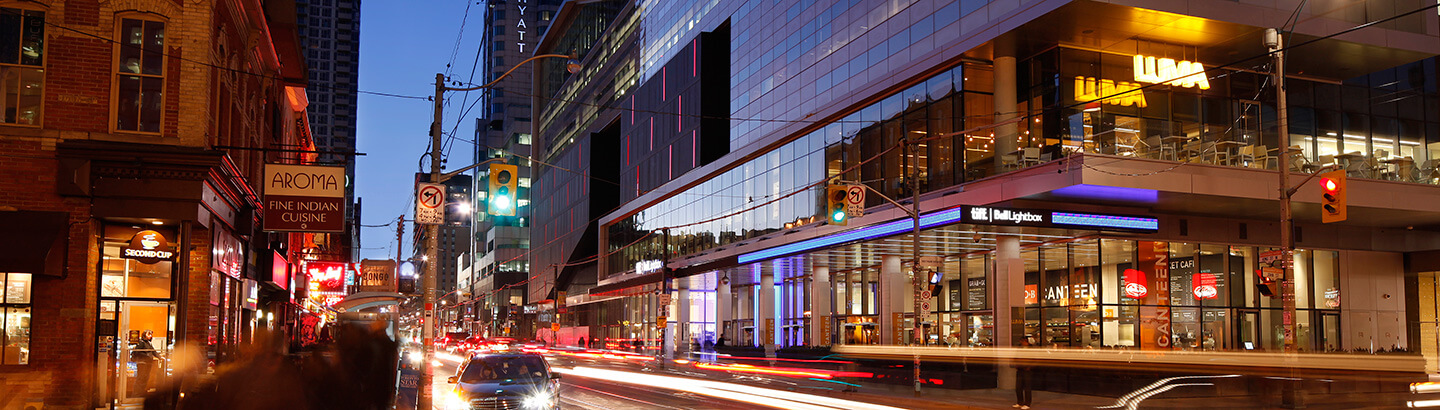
139 74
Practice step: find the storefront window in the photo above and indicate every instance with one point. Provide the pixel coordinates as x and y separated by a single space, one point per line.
977 291
17 319
131 277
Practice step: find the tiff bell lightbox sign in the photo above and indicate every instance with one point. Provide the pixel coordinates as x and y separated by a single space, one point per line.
305 198
986 215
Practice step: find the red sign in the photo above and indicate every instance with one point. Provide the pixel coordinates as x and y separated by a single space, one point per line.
1032 294
327 281
1135 284
280 271
1203 285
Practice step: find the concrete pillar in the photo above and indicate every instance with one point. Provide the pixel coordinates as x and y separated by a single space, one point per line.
682 319
1005 100
822 311
1008 278
724 309
765 323
892 297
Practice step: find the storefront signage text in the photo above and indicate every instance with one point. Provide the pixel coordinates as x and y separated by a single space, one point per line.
147 247
1121 93
998 215
304 198
647 266
327 282
377 276
520 26
1166 70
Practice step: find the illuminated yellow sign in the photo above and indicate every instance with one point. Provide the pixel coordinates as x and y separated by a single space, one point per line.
1120 93
1166 70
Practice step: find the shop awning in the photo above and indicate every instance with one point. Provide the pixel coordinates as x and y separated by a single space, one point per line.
33 242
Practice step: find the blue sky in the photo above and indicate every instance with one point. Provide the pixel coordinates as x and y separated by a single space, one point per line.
402 45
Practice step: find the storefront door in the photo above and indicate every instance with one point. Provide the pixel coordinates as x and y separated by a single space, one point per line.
1247 326
141 364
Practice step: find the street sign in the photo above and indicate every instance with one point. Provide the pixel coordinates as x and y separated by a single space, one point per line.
855 200
430 204
660 322
931 261
555 327
925 295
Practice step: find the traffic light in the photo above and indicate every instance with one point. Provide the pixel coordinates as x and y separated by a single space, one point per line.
1332 196
502 189
835 210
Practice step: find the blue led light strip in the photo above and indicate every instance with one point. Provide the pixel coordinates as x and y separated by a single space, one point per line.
889 228
1104 221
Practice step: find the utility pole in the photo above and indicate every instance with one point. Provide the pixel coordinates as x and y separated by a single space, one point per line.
432 245
399 238
1287 220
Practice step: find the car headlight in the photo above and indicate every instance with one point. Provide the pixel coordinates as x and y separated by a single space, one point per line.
539 401
456 401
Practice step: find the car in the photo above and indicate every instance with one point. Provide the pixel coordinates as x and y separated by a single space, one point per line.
504 381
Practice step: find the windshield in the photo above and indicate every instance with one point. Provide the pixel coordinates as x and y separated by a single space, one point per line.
489 369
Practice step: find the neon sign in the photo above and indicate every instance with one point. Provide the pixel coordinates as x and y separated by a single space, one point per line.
327 282
1181 73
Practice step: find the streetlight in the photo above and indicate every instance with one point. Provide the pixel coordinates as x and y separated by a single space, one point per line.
432 242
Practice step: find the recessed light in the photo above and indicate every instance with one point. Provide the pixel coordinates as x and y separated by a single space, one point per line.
158 222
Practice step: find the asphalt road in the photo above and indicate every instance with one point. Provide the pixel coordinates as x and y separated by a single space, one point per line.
578 392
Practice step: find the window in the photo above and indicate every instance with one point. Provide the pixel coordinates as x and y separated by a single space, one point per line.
16 310
22 72
140 73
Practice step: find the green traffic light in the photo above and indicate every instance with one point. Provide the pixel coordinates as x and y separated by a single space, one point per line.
838 216
501 202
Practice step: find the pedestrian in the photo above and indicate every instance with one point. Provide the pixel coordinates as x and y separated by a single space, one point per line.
144 355
720 342
582 342
1024 378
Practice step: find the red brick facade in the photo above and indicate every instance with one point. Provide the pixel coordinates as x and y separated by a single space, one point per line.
74 162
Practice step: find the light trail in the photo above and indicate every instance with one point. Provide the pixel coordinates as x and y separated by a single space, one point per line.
728 391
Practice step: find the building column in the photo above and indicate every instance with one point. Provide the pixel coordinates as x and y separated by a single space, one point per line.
1005 103
724 309
821 309
682 319
890 300
1008 278
765 324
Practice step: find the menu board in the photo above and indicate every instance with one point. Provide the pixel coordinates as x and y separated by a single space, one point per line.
975 293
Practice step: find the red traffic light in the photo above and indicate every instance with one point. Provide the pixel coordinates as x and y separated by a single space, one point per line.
1329 185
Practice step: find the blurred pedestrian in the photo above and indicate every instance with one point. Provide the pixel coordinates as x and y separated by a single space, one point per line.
143 353
1024 379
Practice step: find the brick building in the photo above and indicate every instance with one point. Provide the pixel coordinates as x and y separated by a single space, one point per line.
133 134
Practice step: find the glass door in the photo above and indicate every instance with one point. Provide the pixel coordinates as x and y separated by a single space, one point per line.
1247 326
143 349
1329 331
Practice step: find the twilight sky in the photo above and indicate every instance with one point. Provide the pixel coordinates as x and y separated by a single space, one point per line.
402 45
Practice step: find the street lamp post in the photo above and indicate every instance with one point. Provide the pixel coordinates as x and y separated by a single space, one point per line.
432 241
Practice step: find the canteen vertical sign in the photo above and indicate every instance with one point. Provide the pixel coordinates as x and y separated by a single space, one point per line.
304 198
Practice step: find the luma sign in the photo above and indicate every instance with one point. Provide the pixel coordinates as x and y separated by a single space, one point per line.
1181 73
1148 70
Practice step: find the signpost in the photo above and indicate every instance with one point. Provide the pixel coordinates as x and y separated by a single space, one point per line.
304 198
855 201
430 204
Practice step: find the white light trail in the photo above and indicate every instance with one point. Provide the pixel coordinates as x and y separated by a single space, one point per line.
728 391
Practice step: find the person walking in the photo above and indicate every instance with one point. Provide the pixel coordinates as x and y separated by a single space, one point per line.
144 355
1024 380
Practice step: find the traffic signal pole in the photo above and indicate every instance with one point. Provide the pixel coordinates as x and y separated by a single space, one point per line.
432 245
